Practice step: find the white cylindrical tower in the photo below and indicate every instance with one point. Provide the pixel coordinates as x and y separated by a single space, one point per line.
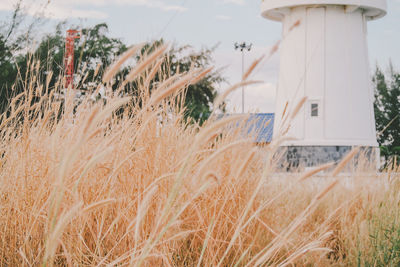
325 58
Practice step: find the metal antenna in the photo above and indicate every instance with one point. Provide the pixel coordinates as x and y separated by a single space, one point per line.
69 57
243 47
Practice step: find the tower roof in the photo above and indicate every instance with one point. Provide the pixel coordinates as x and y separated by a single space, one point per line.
275 9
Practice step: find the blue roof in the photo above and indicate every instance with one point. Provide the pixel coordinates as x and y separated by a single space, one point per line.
261 125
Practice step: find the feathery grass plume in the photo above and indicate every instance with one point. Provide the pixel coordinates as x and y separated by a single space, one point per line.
178 85
98 204
246 162
388 125
202 75
286 123
288 117
214 176
315 246
144 64
298 107
284 110
296 24
84 67
269 253
274 48
252 67
84 78
345 161
49 76
115 67
277 142
209 131
52 241
153 72
97 70
202 168
326 190
142 210
206 240
220 99
315 171
105 185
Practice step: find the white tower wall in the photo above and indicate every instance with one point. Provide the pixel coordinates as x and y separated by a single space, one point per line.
326 59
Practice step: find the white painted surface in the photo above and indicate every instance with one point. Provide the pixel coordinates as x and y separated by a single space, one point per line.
326 59
314 80
291 81
275 9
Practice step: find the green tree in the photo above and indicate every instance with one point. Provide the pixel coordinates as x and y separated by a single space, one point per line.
8 73
15 36
94 51
96 48
387 110
199 96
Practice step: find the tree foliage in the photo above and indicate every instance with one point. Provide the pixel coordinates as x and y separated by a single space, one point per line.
199 96
387 110
93 53
8 72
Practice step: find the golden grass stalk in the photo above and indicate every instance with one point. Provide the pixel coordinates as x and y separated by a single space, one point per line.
153 72
144 64
98 204
209 131
298 107
326 190
274 48
114 68
180 84
285 110
296 24
202 75
97 187
246 162
97 70
314 171
220 99
55 234
345 161
252 67
213 157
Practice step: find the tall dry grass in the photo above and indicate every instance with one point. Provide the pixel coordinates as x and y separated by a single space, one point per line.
119 183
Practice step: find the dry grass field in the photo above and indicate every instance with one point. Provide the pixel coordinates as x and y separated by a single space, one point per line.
130 183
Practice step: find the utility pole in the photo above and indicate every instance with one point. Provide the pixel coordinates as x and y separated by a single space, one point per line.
243 47
69 57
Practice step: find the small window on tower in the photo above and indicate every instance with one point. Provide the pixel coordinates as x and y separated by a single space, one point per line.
314 110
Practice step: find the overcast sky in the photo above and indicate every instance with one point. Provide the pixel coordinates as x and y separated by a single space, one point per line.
207 23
